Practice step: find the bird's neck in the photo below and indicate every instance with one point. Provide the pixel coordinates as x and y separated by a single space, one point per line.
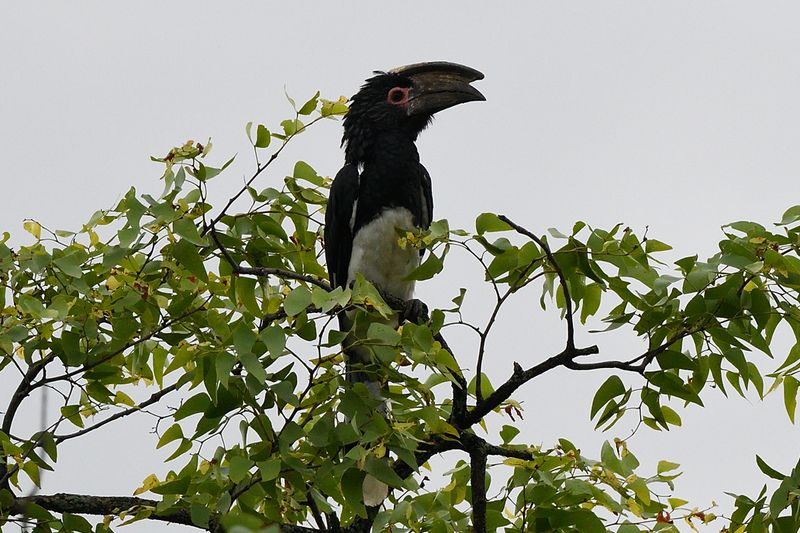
388 147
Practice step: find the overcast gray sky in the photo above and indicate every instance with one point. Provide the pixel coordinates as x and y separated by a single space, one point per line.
678 116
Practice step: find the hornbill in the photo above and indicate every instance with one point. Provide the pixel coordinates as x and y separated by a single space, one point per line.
382 189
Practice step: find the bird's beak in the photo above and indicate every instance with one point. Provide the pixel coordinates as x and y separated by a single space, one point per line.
438 85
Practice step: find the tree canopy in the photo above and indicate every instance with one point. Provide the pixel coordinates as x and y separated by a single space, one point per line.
230 310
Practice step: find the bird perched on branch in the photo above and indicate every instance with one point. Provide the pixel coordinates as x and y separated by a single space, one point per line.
383 188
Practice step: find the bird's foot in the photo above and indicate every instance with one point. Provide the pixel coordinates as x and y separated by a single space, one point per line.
415 311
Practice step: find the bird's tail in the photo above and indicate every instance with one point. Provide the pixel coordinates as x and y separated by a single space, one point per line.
357 358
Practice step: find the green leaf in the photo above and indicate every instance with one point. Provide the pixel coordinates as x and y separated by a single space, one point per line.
652 245
70 264
200 515
790 395
675 359
384 333
270 469
74 522
489 222
586 522
768 470
366 294
677 502
246 294
187 229
194 405
48 444
238 468
591 301
291 127
309 106
33 227
32 469
274 339
670 416
263 136
379 467
351 489
737 358
508 433
791 215
297 301
174 432
666 466
187 255
611 388
72 413
780 498
303 171
429 268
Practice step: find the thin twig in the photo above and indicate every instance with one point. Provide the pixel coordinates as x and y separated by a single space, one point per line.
560 273
257 173
266 271
519 377
154 398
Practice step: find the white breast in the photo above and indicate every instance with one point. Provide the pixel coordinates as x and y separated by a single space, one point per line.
379 259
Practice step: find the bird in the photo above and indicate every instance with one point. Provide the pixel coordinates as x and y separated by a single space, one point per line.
382 189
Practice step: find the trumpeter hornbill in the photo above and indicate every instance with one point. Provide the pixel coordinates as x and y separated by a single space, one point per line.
383 188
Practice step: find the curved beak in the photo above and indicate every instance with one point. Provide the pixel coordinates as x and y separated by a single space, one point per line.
438 85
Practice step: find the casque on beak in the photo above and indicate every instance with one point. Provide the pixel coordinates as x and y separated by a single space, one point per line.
438 85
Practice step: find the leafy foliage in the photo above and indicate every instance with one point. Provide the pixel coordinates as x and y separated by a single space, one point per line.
233 314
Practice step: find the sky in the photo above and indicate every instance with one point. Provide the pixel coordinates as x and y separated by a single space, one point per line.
674 117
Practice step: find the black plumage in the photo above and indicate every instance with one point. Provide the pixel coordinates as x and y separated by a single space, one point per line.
383 188
382 170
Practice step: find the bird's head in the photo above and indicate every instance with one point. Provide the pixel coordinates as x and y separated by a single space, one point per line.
404 100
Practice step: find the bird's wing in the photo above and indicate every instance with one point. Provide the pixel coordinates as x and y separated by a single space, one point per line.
427 200
339 219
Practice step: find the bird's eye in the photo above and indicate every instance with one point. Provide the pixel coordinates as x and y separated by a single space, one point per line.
398 95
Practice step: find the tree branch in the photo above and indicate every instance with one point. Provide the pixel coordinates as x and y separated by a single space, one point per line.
281 273
98 505
265 271
477 456
23 390
459 385
519 377
261 168
560 273
154 398
112 505
638 364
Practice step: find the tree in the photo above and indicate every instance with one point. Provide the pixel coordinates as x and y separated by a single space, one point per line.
232 313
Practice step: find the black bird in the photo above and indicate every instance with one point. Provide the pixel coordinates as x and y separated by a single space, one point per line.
383 187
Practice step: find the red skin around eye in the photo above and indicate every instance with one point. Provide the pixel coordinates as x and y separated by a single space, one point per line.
398 96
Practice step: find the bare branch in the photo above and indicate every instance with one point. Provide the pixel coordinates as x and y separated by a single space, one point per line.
482 346
638 364
560 273
266 271
520 377
154 398
23 390
281 273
